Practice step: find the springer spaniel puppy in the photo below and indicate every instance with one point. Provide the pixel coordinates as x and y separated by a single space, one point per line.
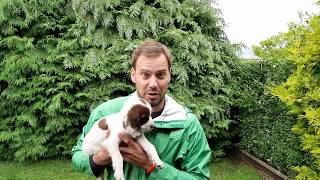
134 119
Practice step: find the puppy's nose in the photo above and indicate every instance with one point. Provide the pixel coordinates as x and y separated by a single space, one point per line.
152 126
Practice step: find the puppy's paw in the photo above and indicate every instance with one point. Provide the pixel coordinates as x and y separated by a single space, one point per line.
118 175
159 164
135 134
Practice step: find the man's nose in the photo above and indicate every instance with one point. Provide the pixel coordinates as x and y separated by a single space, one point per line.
153 82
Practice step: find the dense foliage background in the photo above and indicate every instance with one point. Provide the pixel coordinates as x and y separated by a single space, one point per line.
264 121
301 91
60 59
40 98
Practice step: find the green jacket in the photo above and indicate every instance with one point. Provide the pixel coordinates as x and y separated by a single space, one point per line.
179 139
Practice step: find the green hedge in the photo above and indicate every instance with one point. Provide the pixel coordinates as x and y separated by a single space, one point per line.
301 91
265 122
60 59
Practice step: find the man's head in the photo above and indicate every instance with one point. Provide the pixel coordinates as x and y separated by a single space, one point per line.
151 48
151 67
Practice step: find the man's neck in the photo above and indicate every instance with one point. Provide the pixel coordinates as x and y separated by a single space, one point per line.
159 107
156 114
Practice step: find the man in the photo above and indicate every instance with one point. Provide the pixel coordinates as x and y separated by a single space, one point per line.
178 136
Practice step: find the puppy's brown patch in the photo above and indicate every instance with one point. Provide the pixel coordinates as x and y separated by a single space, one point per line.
143 101
138 116
102 124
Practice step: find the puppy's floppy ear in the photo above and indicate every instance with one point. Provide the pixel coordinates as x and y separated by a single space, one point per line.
143 101
102 124
138 115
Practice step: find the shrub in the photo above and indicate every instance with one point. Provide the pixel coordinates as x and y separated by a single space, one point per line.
40 98
301 90
265 122
60 59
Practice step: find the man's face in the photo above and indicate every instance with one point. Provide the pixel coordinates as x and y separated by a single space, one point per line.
151 77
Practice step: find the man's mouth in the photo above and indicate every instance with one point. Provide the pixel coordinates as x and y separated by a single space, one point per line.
152 94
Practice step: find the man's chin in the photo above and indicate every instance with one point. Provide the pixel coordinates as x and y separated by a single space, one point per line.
153 102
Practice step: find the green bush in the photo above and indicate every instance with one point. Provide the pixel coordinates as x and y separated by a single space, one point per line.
301 91
40 98
265 122
60 59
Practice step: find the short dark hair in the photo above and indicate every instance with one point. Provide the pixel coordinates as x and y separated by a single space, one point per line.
151 48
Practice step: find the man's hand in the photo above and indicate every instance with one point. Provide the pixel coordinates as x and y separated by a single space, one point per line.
102 158
132 152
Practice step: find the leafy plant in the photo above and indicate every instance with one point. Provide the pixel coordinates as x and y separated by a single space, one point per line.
60 59
301 90
265 122
193 30
40 98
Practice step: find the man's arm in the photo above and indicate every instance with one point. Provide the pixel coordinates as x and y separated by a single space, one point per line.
193 158
92 164
80 161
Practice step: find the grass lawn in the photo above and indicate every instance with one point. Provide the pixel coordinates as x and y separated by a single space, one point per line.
40 170
225 169
62 170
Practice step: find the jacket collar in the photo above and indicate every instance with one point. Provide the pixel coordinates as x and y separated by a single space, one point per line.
172 116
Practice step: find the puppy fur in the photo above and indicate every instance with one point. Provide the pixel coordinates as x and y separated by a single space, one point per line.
134 119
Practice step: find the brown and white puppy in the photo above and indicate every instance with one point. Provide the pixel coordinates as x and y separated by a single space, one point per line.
134 119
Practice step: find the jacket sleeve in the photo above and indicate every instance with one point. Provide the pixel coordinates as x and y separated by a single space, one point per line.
80 161
192 160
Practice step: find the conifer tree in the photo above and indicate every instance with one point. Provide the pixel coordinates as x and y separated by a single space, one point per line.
192 29
40 98
62 61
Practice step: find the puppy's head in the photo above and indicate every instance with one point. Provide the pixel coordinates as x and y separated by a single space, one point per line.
138 118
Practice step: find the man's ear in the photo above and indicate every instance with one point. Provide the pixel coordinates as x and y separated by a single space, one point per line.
133 75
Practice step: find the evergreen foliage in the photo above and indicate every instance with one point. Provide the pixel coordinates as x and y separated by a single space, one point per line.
191 29
60 59
265 122
301 91
39 97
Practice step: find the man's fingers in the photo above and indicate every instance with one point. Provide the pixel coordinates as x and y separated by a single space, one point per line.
126 159
124 149
125 138
127 154
104 151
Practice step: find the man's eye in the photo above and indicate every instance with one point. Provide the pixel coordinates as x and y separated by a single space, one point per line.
161 75
145 75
